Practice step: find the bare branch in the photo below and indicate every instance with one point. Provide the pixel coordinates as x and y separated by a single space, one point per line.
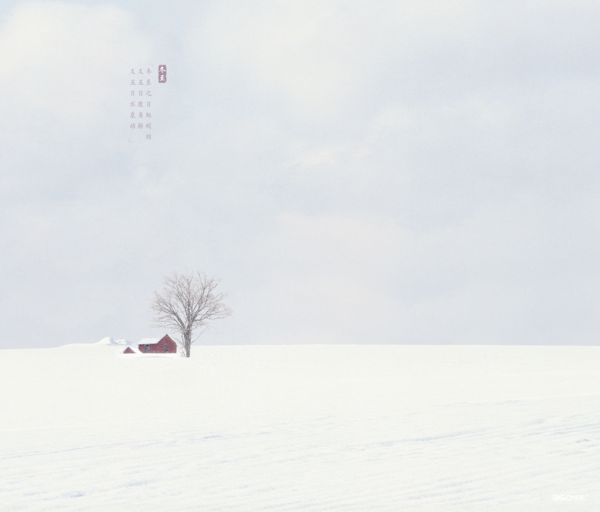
187 303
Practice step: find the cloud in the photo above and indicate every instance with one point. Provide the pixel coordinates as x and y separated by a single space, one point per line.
400 172
61 90
62 62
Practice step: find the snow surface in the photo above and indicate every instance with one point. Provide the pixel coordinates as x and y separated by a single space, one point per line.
301 428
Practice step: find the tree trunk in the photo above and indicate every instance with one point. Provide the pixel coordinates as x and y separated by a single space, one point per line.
187 344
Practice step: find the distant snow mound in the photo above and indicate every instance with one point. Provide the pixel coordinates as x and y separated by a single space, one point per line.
108 341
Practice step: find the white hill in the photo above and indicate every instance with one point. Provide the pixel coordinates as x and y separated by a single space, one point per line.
111 342
311 428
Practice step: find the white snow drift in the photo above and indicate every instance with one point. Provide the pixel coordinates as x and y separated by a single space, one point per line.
311 428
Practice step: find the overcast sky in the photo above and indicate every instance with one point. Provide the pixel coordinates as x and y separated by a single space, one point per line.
411 171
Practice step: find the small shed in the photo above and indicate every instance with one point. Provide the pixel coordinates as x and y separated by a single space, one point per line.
164 345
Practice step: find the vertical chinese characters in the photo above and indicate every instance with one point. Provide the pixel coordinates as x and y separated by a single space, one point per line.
140 82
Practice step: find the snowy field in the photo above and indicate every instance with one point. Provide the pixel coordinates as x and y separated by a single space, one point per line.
301 428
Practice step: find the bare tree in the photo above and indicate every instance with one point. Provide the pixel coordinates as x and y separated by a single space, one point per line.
187 303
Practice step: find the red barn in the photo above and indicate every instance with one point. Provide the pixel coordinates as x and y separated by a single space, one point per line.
164 345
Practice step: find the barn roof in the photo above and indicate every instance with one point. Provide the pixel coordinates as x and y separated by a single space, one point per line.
149 341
